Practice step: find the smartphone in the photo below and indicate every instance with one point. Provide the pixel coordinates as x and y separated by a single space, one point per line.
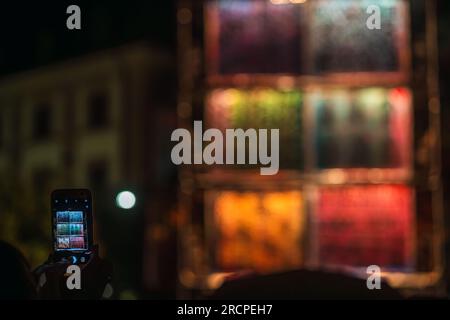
72 225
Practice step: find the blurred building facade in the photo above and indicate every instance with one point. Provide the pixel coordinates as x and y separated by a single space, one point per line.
82 118
99 122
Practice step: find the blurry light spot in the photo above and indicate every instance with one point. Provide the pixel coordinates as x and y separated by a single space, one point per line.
287 1
187 278
360 175
108 292
241 79
336 176
42 280
434 105
278 1
128 295
286 83
216 280
375 175
434 182
125 200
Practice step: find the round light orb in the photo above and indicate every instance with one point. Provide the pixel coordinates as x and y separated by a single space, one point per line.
125 200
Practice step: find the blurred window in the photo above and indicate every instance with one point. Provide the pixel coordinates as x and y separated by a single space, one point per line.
98 111
42 179
42 119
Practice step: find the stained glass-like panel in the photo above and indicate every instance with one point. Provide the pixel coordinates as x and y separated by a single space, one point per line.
261 109
365 225
367 128
253 37
257 230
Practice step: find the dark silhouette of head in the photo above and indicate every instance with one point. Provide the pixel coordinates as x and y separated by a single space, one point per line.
303 285
15 275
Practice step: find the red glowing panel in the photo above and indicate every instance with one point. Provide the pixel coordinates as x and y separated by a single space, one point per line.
365 225
342 42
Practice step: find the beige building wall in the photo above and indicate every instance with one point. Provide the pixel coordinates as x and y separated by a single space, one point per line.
66 88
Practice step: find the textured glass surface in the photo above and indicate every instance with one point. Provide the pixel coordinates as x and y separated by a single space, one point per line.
342 42
256 37
261 231
365 225
261 109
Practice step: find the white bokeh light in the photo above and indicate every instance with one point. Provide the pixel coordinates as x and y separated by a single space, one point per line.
125 200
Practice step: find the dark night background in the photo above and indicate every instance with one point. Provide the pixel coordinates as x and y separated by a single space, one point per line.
35 33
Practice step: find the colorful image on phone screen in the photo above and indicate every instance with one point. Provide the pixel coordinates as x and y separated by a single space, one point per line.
70 230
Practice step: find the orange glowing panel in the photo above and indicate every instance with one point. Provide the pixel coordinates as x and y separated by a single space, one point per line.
262 231
366 225
253 37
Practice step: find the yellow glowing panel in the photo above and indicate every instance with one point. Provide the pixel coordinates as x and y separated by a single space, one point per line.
259 231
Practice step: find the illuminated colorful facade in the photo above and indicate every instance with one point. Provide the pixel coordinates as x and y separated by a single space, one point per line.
344 99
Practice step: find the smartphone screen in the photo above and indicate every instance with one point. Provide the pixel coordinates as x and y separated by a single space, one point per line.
72 221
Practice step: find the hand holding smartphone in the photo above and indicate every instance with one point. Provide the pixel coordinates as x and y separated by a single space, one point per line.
72 225
72 231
